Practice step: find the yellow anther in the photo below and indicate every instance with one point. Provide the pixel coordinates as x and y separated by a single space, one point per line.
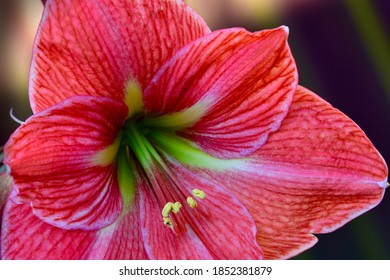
198 193
191 202
167 209
176 207
167 221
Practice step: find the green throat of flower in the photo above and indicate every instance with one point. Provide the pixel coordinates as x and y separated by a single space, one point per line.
143 149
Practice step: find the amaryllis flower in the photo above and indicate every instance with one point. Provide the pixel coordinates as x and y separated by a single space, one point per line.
154 138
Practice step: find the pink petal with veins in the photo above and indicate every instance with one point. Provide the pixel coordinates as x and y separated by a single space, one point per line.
24 236
244 82
95 47
314 174
219 227
52 158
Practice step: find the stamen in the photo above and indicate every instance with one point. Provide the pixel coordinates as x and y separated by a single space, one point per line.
171 207
139 146
177 190
198 193
191 202
167 209
167 222
11 114
176 207
166 187
126 177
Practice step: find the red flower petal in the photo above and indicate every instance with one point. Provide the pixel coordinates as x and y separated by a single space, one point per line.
95 47
27 237
53 160
228 233
316 173
333 141
242 82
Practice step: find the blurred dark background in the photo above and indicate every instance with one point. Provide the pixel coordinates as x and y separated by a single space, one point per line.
342 49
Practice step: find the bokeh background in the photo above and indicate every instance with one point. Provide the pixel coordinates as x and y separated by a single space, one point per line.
342 49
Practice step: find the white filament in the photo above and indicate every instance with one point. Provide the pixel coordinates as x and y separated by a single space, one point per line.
11 114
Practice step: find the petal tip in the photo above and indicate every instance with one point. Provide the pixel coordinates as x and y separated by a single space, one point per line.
286 29
384 184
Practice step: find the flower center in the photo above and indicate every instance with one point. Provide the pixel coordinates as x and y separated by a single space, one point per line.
139 147
147 148
145 144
